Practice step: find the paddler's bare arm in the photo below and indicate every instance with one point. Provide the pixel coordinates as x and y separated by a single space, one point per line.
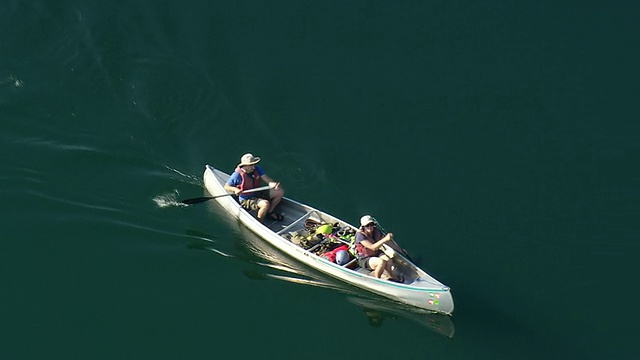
232 189
377 244
274 184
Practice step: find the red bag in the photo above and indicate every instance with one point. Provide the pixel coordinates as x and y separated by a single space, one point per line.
331 255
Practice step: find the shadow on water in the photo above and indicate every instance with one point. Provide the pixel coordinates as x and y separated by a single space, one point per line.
271 263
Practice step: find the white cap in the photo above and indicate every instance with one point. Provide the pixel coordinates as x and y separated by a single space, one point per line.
366 220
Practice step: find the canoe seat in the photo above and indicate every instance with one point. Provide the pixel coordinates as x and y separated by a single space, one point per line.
298 221
350 264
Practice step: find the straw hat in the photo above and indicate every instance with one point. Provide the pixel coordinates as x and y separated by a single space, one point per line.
248 159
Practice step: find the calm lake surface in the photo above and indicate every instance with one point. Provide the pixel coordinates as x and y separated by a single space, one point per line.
497 140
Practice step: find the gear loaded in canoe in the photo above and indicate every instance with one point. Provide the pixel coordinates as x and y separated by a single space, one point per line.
311 236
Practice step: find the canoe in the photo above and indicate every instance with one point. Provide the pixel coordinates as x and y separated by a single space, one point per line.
294 237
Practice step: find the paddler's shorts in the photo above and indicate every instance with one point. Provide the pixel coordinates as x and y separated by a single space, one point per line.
364 262
252 202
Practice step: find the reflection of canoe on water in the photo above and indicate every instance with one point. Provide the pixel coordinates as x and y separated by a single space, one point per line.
273 264
419 288
377 310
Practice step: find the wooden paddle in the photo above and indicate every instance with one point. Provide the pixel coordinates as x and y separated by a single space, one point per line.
207 198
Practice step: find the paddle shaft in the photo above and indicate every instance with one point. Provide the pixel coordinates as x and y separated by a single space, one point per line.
395 246
207 198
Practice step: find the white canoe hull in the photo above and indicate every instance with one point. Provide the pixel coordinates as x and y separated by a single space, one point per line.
420 290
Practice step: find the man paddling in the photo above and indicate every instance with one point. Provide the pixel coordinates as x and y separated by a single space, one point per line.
248 175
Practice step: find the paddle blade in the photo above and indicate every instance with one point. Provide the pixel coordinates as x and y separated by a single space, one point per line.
196 200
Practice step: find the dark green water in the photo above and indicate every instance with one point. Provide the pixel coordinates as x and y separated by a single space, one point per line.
497 140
